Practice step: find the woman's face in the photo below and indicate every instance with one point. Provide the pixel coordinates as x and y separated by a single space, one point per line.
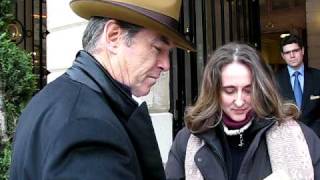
236 90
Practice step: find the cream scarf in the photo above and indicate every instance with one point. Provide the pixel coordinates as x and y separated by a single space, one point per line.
287 147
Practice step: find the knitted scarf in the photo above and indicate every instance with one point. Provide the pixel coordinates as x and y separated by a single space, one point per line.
287 148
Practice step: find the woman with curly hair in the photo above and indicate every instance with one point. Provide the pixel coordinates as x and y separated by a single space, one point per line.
239 128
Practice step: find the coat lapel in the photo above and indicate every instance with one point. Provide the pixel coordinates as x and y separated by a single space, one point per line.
284 84
88 71
134 118
306 89
140 129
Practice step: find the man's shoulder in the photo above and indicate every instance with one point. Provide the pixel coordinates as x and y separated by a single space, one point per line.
282 74
313 71
281 71
58 90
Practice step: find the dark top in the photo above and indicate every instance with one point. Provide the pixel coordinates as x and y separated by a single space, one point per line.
234 152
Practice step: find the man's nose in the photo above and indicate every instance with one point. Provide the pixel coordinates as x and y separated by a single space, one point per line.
291 54
164 62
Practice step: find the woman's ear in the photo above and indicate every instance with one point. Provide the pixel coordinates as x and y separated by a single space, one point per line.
112 35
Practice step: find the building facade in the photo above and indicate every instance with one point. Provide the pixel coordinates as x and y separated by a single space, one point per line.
52 32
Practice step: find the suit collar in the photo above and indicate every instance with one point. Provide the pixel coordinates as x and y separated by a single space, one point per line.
307 89
292 70
285 86
286 78
213 137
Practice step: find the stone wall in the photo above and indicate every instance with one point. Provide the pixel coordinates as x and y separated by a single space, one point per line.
2 120
313 32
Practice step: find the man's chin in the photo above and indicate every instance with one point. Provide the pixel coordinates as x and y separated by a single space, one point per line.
141 92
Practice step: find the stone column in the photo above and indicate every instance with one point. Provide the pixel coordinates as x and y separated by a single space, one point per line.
64 39
158 101
2 120
313 31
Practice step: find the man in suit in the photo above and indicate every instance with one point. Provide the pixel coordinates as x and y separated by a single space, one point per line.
299 83
85 124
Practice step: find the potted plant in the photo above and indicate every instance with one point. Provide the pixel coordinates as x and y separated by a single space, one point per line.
17 86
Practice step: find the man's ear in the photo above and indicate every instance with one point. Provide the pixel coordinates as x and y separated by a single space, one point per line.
112 35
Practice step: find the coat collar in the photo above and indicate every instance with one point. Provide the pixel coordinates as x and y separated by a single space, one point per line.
213 137
87 70
136 119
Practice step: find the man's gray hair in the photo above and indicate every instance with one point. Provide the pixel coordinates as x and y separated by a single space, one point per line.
95 28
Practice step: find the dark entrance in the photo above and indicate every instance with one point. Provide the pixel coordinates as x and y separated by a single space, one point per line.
209 24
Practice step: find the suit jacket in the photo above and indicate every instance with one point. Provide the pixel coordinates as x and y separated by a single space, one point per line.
310 107
85 125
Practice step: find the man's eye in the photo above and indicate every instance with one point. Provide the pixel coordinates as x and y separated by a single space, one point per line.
292 51
157 49
295 51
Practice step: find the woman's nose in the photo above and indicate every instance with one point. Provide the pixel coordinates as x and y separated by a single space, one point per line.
239 100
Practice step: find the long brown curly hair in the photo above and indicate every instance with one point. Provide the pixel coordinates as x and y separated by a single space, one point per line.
266 102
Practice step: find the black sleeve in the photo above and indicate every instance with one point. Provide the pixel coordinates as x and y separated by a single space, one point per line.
175 164
313 142
90 149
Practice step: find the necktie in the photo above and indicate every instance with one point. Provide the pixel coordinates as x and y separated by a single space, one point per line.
297 89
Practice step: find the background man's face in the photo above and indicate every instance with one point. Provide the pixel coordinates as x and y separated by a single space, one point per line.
293 55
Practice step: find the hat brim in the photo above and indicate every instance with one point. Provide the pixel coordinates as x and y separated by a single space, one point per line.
87 9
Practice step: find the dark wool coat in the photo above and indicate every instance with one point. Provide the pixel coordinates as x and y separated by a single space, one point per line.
310 106
85 125
213 160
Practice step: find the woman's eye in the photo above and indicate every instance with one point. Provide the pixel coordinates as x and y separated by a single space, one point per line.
228 90
247 90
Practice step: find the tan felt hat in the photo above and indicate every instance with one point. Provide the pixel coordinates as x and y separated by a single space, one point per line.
159 15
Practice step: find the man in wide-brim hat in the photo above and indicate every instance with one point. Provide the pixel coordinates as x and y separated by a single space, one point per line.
85 124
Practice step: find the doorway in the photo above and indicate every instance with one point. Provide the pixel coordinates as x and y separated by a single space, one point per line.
277 18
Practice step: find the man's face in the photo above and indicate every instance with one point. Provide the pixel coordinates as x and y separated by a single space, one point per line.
293 55
142 61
